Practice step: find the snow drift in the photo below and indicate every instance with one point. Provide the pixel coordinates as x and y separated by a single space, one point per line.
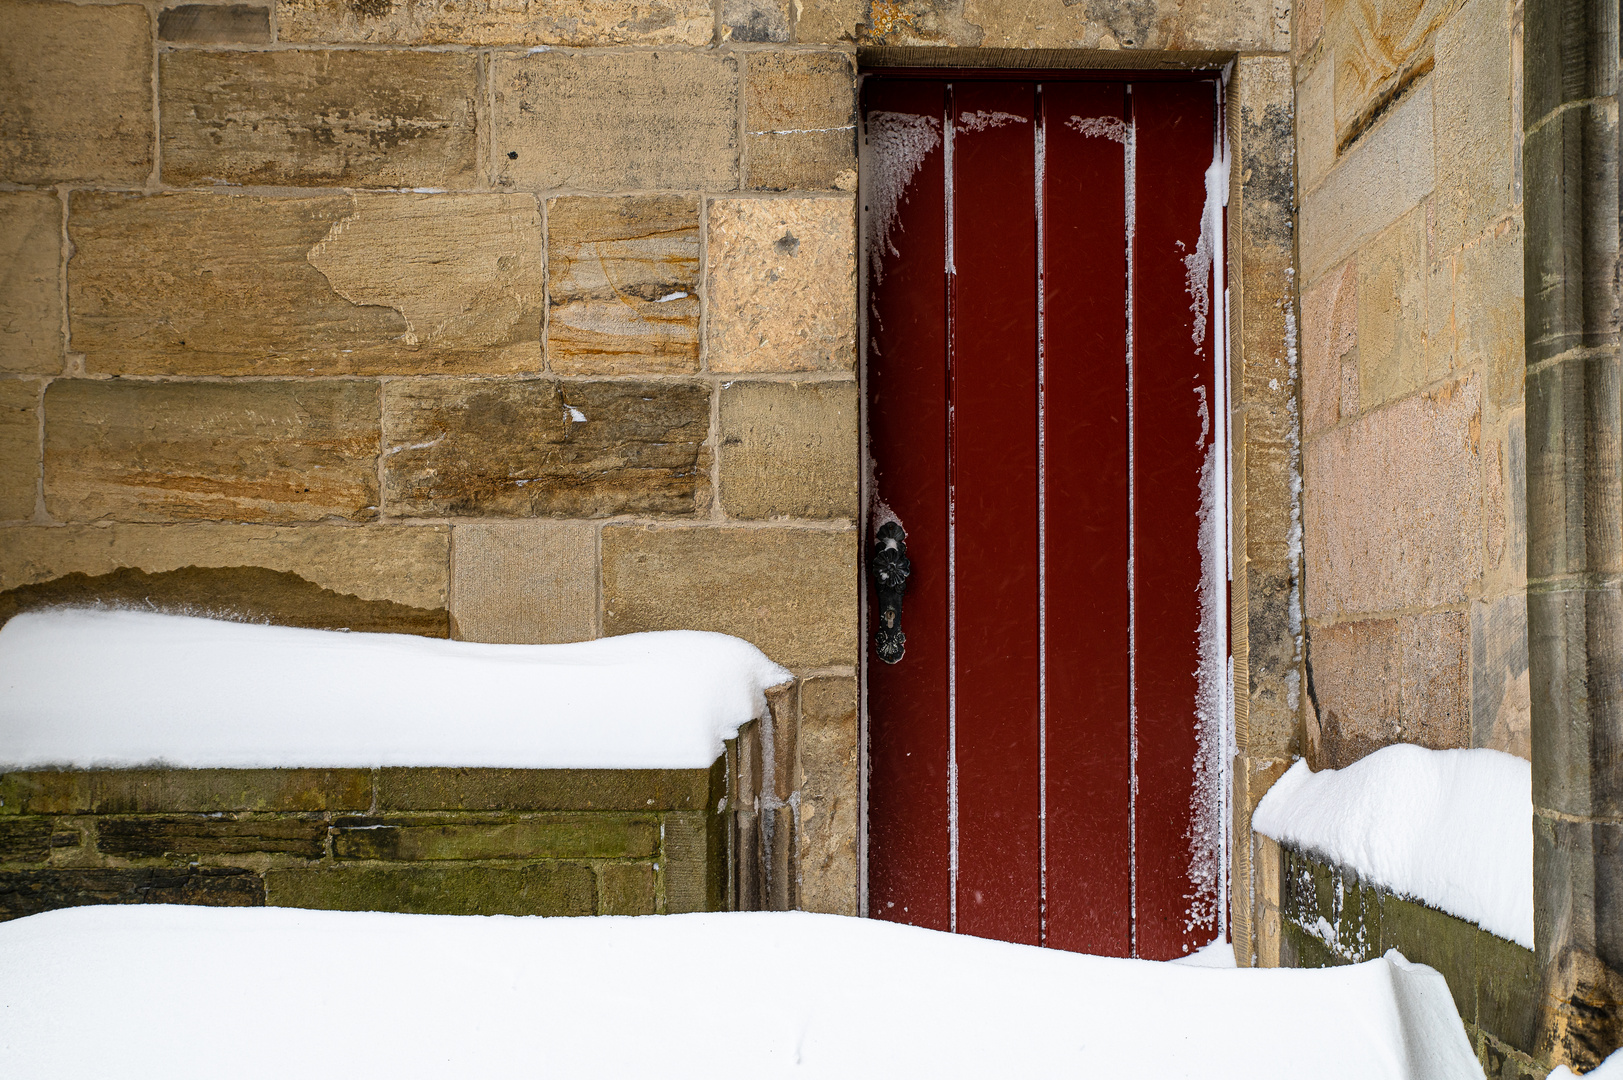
1450 828
107 689
176 993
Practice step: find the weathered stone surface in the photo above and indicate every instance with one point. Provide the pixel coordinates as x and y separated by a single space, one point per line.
174 791
405 564
792 592
830 790
1501 707
789 450
623 285
1330 349
800 119
1392 510
1088 24
263 451
205 284
368 119
1378 49
215 24
538 447
626 889
693 867
531 583
25 840
1488 309
19 448
500 22
156 837
756 21
1378 180
781 285
1315 125
28 892
1392 312
549 789
830 21
556 836
549 888
1383 681
75 93
30 287
1476 122
617 121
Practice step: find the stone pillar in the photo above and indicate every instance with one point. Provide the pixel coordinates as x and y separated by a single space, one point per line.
1575 521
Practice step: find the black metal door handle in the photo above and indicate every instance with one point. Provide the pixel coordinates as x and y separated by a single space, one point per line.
890 568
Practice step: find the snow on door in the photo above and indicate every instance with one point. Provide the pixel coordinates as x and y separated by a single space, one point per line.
1045 417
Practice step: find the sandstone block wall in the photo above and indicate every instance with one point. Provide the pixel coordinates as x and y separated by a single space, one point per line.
1414 473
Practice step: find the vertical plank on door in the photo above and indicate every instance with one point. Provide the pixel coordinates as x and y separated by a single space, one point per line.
1085 510
994 486
908 840
1173 424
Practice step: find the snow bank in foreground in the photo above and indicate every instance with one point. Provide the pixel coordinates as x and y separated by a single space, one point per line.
175 993
1450 828
121 688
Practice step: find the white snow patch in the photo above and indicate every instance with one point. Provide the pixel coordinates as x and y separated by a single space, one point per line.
985 119
442 996
899 143
668 297
1217 954
109 689
574 415
1113 128
1452 829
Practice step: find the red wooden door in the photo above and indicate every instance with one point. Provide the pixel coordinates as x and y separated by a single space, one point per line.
1045 415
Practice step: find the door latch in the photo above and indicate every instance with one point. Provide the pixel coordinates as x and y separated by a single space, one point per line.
890 568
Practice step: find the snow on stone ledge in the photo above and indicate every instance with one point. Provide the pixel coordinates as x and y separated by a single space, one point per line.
176 993
118 689
1452 829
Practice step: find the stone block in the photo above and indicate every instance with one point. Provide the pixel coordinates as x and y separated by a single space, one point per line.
692 863
1506 1000
419 789
800 120
830 22
215 24
261 451
28 892
539 447
1383 176
789 450
1489 313
783 707
500 22
157 837
322 118
623 285
30 282
19 448
1330 349
617 121
626 888
75 93
548 888
830 793
792 592
1300 949
1267 939
401 283
1384 681
530 583
1392 508
1392 312
756 21
1315 124
1501 706
1478 123
552 836
184 791
1267 868
1248 26
25 840
1379 49
1427 936
781 285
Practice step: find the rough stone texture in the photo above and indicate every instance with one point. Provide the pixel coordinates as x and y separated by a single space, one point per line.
617 121
1384 681
792 592
756 21
365 119
830 791
1088 24
538 447
781 285
1329 347
1475 114
500 22
549 888
800 120
57 124
204 284
264 451
531 583
27 892
553 836
158 837
830 21
174 791
549 789
30 286
1315 124
1378 49
789 450
1489 313
1378 180
1392 312
19 448
1501 705
626 889
215 24
1392 511
623 285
